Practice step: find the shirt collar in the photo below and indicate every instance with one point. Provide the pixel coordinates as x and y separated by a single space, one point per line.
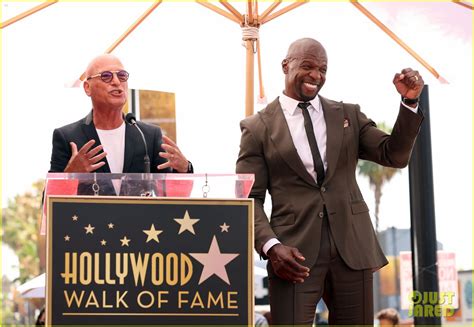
290 105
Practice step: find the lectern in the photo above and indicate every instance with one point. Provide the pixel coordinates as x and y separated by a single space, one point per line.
149 249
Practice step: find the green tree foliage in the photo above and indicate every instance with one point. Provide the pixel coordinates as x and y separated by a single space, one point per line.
378 175
20 231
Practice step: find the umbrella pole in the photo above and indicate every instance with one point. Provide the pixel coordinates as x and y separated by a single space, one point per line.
249 96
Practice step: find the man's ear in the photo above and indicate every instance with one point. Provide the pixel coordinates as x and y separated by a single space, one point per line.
284 66
87 88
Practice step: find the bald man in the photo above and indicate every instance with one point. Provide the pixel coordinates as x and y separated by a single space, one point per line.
102 141
303 149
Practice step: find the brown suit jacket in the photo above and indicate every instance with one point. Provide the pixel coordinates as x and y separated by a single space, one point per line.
267 150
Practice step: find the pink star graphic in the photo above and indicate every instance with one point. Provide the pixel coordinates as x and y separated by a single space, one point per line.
214 262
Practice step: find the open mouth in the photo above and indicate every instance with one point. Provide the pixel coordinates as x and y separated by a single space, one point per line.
310 86
116 92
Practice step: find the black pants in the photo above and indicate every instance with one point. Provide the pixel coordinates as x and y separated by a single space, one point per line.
347 292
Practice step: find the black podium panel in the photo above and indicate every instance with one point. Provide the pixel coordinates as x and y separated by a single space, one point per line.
148 261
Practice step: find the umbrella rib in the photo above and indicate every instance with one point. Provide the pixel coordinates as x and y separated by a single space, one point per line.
255 12
26 13
463 4
399 41
283 11
233 11
134 26
250 12
219 11
269 10
128 31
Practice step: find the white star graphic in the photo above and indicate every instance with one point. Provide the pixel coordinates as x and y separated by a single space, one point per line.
89 229
186 223
214 262
224 228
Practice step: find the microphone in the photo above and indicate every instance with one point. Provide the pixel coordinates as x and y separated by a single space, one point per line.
130 119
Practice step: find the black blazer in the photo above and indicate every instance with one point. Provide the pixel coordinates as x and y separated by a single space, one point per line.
84 130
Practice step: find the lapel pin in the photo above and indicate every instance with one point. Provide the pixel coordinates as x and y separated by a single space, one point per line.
346 122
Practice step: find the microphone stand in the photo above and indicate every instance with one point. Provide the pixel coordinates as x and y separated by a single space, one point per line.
130 118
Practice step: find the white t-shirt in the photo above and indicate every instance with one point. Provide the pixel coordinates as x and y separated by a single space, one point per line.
113 141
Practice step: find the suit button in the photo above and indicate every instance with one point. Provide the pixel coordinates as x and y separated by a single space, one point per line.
323 189
321 214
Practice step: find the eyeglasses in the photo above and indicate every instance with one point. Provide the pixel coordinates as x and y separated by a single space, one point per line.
107 76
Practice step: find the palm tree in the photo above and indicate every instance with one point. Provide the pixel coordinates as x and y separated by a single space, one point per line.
378 175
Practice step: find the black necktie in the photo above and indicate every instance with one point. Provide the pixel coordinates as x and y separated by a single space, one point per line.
308 126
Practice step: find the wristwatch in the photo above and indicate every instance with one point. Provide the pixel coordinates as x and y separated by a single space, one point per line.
410 101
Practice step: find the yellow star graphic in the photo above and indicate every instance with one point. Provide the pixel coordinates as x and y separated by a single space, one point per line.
89 229
152 234
110 225
186 223
103 242
67 238
75 218
125 241
224 228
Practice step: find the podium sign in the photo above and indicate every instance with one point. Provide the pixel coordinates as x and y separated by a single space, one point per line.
149 261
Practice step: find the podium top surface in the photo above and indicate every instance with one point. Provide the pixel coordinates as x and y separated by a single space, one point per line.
156 185
193 186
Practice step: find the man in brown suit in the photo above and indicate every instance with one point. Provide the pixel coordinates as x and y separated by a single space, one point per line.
303 149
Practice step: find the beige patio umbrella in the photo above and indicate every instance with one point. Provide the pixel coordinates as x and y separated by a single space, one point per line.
250 22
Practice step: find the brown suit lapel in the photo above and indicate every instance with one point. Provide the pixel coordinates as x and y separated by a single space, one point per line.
334 117
275 121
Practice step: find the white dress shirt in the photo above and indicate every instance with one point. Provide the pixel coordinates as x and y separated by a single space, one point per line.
113 141
295 120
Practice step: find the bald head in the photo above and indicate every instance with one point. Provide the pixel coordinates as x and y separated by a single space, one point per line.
107 95
96 64
305 46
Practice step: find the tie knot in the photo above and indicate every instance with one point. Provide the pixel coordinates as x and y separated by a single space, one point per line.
304 105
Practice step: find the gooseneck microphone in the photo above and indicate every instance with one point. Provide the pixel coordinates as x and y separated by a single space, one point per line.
130 119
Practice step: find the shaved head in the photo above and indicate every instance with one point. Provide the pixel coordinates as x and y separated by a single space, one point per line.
305 69
107 96
95 65
305 45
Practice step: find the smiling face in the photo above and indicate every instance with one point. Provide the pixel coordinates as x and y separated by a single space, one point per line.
106 96
305 69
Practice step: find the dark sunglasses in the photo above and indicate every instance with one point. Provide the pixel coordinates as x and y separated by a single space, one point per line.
107 76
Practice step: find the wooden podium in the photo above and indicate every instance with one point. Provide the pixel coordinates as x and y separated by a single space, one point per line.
148 260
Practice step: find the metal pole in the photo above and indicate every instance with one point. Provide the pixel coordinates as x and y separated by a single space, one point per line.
249 74
423 228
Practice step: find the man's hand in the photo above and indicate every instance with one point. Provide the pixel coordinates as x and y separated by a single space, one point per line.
283 259
176 159
85 160
409 83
